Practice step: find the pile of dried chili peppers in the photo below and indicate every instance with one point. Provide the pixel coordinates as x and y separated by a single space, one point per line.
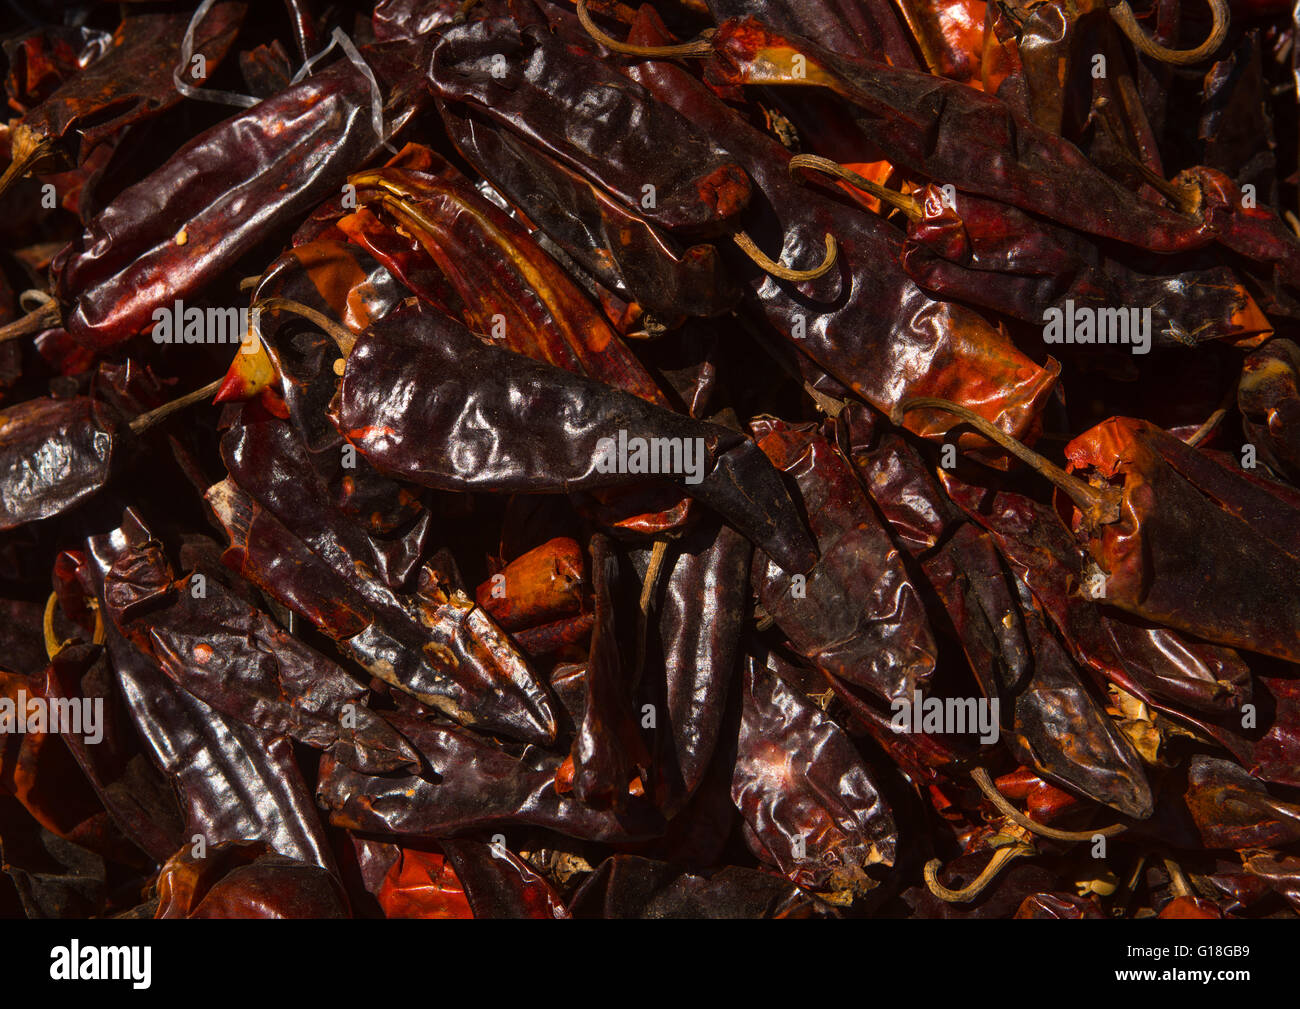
731 458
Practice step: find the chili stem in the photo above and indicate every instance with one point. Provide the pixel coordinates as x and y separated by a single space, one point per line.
981 777
145 421
781 271
1098 506
1122 15
1002 857
899 201
696 48
44 317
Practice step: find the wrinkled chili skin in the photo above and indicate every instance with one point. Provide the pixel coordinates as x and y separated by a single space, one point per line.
235 782
498 884
857 614
247 880
1155 661
616 245
989 253
856 30
499 272
231 656
54 454
629 886
132 81
444 651
608 752
496 430
286 153
700 616
1268 396
947 132
592 118
864 322
469 784
798 775
136 795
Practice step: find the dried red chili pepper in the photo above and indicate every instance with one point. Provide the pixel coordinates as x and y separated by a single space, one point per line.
804 793
510 452
590 117
468 784
856 614
1150 535
435 643
235 782
298 146
540 586
246 880
836 319
900 114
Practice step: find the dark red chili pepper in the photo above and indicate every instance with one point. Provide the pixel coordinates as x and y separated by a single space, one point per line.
587 115
806 796
236 783
508 450
295 149
246 880
468 784
949 133
856 614
837 319
434 643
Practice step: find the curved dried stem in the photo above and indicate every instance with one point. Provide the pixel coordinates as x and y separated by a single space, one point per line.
44 317
34 296
156 416
1122 15
899 201
1098 506
1002 857
52 644
337 332
981 777
776 269
696 48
